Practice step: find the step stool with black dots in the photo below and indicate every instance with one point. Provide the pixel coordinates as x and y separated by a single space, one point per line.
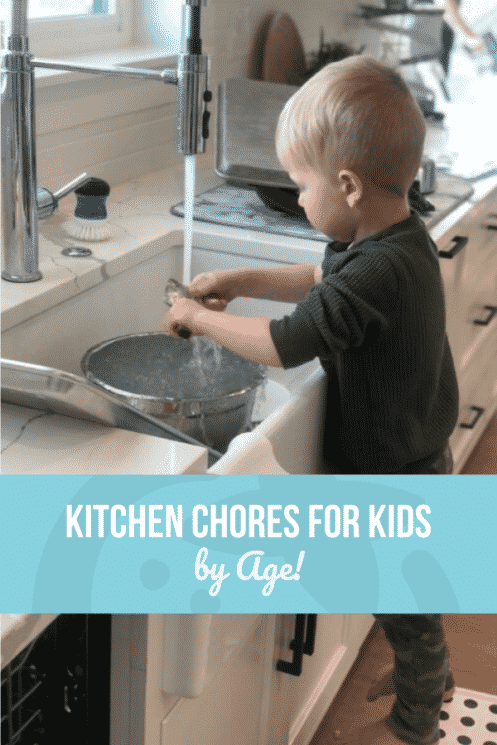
470 718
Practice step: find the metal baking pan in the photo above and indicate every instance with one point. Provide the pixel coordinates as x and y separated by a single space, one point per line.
48 389
247 115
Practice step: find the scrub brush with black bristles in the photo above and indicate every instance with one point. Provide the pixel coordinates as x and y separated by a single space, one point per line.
90 215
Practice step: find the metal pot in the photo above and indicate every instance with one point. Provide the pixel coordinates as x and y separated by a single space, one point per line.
156 373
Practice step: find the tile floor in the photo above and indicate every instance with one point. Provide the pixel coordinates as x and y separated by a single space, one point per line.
472 642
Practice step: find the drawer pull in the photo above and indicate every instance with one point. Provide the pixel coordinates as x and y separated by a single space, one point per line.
478 412
459 243
492 311
303 643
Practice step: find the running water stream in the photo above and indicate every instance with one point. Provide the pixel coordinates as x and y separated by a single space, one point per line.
208 349
207 372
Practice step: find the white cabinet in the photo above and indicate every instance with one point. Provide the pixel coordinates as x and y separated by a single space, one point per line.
469 270
248 701
231 707
298 704
477 402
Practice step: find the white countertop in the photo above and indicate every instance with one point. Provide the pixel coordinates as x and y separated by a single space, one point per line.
139 218
38 442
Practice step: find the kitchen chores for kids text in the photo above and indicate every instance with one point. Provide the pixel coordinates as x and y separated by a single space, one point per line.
246 521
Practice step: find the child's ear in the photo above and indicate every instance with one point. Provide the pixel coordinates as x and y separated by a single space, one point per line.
352 186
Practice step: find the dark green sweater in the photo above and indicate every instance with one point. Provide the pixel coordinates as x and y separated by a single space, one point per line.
377 323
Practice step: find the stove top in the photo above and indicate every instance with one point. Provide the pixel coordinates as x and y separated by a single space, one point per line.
240 206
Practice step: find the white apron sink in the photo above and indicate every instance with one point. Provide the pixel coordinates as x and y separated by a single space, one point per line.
286 441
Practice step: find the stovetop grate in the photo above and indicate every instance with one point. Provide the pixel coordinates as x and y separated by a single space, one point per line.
240 206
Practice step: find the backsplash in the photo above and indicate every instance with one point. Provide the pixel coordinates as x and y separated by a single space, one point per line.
120 129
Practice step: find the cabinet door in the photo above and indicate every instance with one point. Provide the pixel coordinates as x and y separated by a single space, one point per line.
298 704
231 709
490 204
477 403
469 272
470 280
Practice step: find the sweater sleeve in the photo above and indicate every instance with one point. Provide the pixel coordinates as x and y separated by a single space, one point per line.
348 309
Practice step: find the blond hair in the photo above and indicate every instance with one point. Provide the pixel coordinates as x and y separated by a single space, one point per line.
357 114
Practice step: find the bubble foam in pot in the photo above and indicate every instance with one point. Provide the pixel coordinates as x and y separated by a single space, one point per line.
469 719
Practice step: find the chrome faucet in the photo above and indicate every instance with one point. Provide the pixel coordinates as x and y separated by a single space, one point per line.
23 202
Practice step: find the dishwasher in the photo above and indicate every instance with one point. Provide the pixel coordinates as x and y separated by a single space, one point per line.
57 689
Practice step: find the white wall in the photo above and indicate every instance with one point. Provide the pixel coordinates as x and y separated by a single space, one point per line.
119 129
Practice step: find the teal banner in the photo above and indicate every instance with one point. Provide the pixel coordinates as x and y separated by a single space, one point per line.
243 544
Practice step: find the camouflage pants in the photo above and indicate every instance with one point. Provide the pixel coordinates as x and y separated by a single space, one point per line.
421 675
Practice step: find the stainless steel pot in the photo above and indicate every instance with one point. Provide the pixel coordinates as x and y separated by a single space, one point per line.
156 373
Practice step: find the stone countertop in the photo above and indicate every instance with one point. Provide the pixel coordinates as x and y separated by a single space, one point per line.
39 442
139 219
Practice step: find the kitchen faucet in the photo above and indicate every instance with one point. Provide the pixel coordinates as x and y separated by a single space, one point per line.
23 202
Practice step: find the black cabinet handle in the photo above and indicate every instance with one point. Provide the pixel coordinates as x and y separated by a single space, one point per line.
492 311
303 643
310 637
478 412
459 243
490 225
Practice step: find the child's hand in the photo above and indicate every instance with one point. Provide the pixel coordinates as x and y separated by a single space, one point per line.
213 289
476 44
182 315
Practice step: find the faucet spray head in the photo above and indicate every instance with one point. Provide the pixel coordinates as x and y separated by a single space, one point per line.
192 116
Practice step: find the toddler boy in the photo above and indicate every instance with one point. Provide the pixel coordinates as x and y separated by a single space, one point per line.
352 139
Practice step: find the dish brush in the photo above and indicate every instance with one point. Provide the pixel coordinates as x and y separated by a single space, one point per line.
90 215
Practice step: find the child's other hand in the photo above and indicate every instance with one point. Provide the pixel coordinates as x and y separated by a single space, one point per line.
182 314
213 290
